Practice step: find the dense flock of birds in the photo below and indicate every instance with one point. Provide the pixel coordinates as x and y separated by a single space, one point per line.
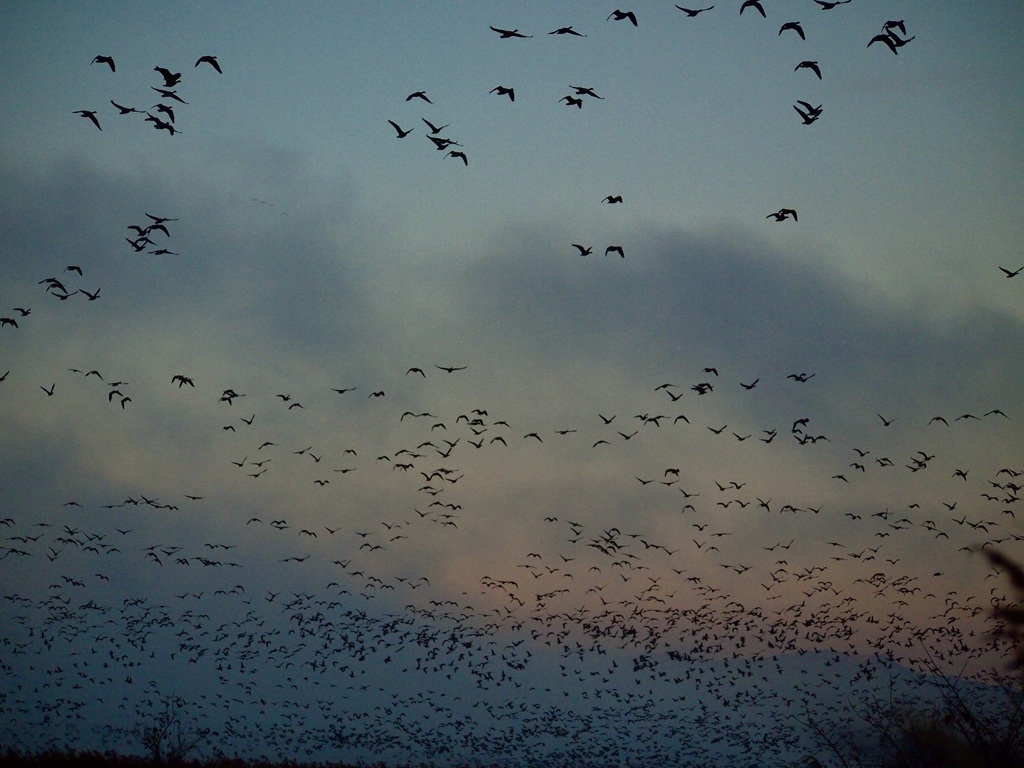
709 623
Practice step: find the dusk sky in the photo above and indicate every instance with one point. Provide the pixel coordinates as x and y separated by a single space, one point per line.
560 436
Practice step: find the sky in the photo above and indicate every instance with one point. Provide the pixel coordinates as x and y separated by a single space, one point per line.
594 485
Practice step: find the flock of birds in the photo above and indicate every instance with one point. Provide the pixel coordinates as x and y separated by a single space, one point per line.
166 92
709 622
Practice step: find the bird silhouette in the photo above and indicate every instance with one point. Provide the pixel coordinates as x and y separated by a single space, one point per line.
811 65
618 15
171 79
108 60
694 12
91 115
211 60
795 26
755 4
402 133
782 214
509 33
433 128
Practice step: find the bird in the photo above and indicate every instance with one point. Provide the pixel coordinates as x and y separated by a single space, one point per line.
572 102
89 114
810 110
459 156
1010 273
811 65
828 5
108 60
795 26
211 60
808 117
582 90
584 250
441 143
418 95
694 12
886 40
434 129
615 249
612 199
623 16
125 110
501 90
164 93
782 214
8 321
566 31
509 33
897 41
163 109
49 392
402 133
171 79
752 4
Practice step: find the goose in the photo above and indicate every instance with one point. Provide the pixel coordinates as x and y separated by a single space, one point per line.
402 133
90 114
212 61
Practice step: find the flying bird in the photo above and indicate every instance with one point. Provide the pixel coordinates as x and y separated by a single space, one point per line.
828 5
435 129
623 16
795 26
507 33
615 249
752 4
584 91
418 95
1009 273
782 214
459 156
211 60
125 110
402 133
566 31
809 116
89 114
584 250
108 60
501 90
165 94
612 199
885 39
694 12
171 79
811 65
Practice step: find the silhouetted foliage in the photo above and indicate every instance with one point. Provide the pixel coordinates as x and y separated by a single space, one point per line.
951 724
